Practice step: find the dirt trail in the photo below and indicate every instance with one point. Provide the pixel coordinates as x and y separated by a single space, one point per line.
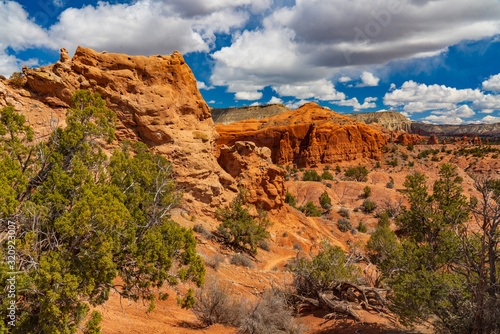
271 264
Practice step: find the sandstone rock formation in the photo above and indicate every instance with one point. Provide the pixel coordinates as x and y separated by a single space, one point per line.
231 115
39 115
406 138
391 120
156 100
432 140
306 137
253 169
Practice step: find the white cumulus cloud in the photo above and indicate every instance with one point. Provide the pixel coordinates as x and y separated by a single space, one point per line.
344 79
202 85
321 90
143 27
18 32
368 80
446 104
248 95
275 100
193 8
415 98
347 34
296 104
444 119
368 103
490 119
451 116
492 84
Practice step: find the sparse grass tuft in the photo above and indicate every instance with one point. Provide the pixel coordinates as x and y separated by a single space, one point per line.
215 261
199 228
241 260
344 225
215 305
344 212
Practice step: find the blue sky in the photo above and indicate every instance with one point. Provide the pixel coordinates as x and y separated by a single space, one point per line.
433 60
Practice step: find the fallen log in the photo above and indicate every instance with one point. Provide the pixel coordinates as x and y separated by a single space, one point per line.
339 307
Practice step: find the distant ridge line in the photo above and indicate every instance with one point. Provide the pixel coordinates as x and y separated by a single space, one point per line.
231 115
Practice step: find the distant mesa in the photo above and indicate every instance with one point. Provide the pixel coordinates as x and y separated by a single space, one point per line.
231 115
391 120
483 130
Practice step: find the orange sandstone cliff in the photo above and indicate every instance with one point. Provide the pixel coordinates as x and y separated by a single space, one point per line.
156 101
306 137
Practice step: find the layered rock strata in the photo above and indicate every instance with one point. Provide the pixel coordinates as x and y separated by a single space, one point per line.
391 120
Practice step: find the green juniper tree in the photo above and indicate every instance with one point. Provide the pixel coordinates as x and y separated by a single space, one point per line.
238 228
422 270
325 201
83 220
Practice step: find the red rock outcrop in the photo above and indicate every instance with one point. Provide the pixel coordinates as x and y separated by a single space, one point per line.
253 169
406 138
156 100
477 140
306 137
432 140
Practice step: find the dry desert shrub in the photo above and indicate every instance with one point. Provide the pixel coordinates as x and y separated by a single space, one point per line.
263 244
270 315
215 261
241 260
199 228
216 305
344 225
344 212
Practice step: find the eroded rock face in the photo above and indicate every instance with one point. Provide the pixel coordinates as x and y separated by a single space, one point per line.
40 116
253 170
406 138
306 137
156 100
432 140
